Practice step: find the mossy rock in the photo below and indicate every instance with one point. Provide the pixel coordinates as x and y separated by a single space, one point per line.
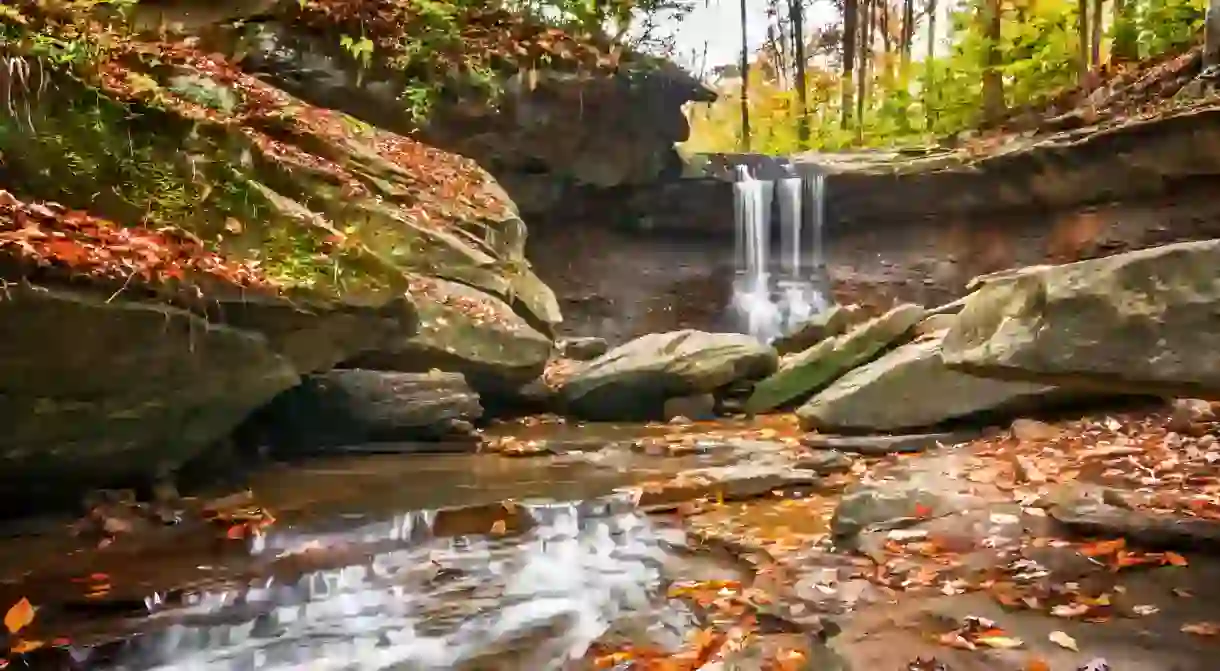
814 369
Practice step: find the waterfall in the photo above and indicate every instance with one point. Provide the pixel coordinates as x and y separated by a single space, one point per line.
771 299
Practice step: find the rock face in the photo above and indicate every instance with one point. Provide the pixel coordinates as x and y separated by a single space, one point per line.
96 391
326 211
633 381
818 366
1143 322
351 406
910 388
550 129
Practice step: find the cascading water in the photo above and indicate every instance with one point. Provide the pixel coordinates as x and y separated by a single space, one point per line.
408 599
770 301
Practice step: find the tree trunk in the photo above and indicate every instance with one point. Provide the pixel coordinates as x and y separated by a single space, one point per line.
927 85
851 23
993 82
796 10
1082 28
908 33
745 80
866 52
1095 38
1211 35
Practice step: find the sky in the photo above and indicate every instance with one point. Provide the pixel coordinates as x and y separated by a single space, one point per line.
718 23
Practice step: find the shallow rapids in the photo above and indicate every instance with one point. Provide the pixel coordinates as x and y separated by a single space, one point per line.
408 599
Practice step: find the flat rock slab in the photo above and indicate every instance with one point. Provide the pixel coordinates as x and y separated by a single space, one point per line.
814 369
633 381
1144 322
729 483
911 388
1153 530
882 445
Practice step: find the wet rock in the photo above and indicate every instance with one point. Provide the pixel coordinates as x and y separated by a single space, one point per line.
98 391
1089 515
1034 431
633 381
699 407
911 387
354 406
817 367
890 505
882 445
833 322
1187 413
826 462
1143 322
728 483
582 349
464 330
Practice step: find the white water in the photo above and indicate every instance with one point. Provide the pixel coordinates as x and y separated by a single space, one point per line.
767 303
532 603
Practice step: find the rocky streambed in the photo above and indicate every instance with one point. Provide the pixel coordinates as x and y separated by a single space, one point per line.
994 484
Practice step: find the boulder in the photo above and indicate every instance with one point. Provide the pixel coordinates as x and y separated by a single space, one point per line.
353 406
633 381
95 391
467 331
1145 322
818 366
835 321
582 349
910 388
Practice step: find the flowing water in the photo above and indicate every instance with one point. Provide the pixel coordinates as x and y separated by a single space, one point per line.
383 562
775 293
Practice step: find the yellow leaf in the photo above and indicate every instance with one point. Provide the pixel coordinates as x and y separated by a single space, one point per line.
1064 641
499 527
19 616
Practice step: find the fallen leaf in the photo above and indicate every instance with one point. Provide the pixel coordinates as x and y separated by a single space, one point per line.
19 616
1037 664
1000 642
22 647
1063 640
499 527
1175 559
1202 628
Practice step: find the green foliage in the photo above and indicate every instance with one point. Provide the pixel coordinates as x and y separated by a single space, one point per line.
1039 48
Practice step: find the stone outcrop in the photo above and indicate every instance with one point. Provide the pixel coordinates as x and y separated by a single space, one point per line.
815 368
97 390
352 406
466 331
1142 322
911 388
352 232
550 129
633 381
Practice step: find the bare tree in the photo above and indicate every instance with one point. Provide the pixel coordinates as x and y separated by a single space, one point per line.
745 78
851 23
796 13
908 32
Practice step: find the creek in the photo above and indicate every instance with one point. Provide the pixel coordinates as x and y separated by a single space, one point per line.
477 561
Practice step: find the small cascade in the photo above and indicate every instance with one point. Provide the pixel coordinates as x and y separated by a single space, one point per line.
770 298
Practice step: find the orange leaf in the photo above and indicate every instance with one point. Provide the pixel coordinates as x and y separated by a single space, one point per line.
19 616
1175 559
1037 665
1102 548
22 647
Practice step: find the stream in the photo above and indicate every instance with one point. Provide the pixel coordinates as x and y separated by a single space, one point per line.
476 561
